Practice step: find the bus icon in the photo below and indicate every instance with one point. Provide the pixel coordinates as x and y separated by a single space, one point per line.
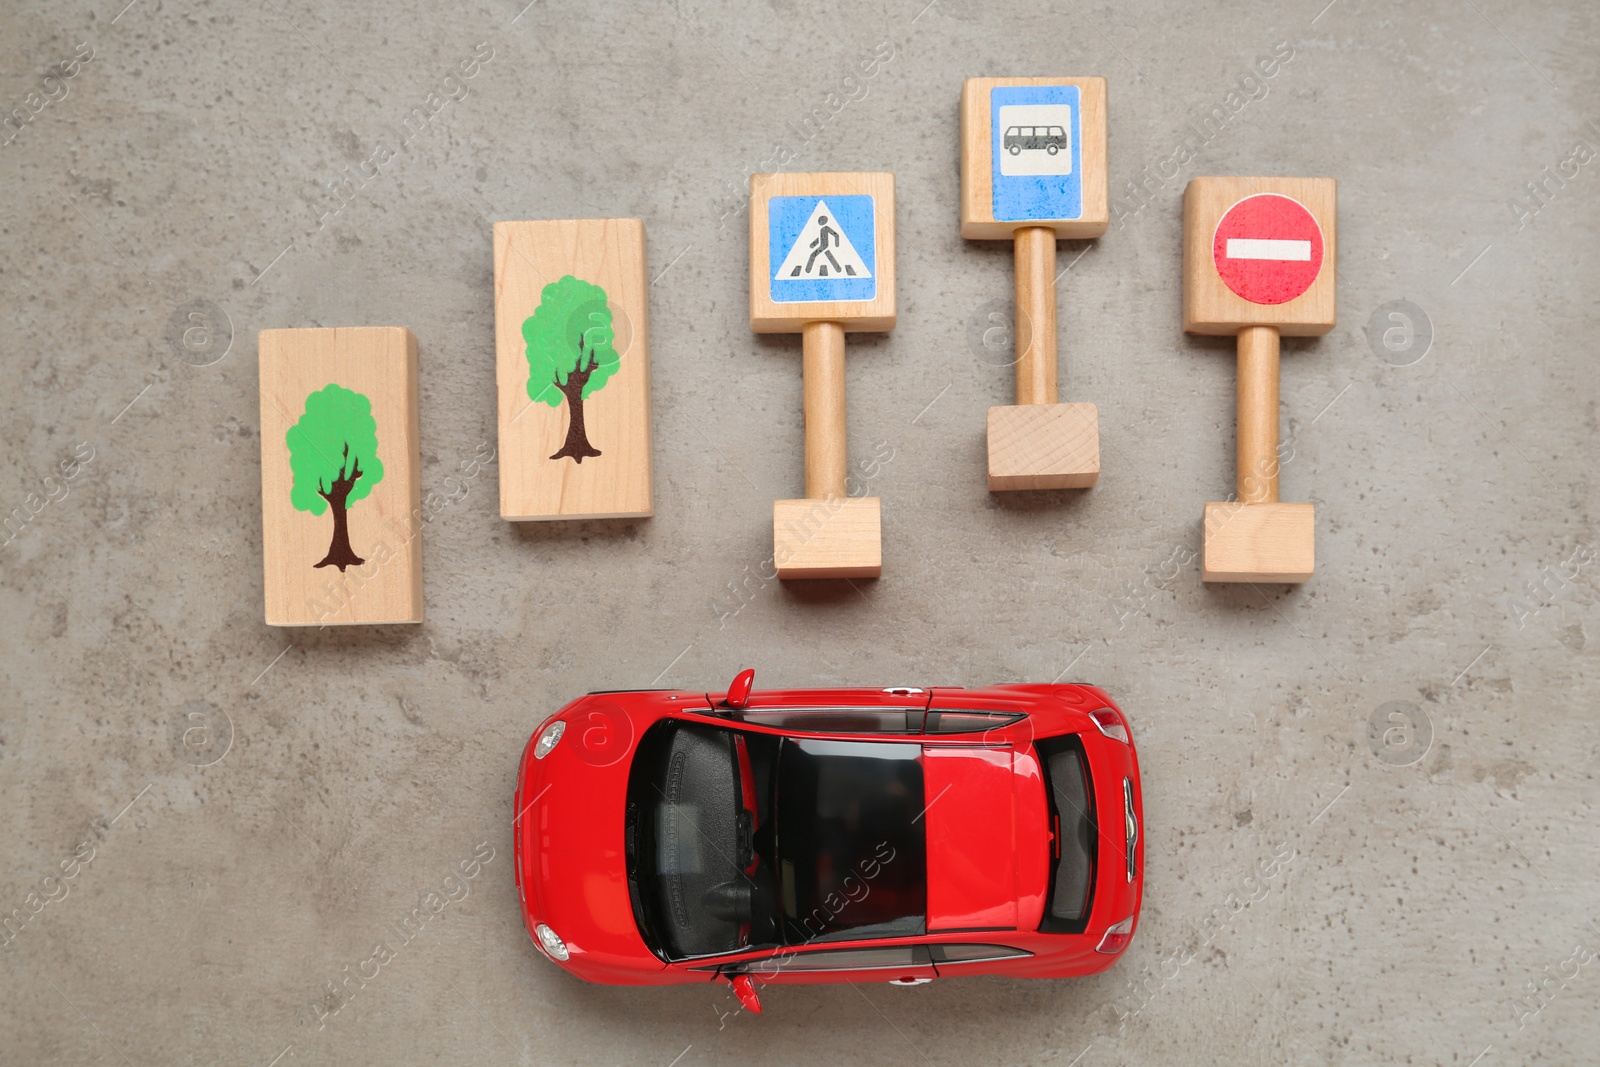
1036 141
1019 139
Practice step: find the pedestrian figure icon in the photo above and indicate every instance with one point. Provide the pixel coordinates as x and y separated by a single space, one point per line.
821 250
819 247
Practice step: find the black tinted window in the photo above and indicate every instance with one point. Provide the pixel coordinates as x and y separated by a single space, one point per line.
852 850
843 959
968 722
838 720
684 837
975 953
1067 787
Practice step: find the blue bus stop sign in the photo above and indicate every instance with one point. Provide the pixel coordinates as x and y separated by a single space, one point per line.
1036 152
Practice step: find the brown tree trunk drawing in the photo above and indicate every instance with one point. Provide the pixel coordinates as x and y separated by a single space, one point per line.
340 554
577 443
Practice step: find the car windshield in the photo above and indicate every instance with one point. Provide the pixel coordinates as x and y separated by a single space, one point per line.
740 840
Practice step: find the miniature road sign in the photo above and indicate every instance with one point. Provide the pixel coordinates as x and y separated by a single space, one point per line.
340 496
821 265
846 262
1267 234
572 361
1259 260
1033 168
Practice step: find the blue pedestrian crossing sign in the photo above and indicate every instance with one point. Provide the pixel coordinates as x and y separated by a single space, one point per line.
824 248
1037 152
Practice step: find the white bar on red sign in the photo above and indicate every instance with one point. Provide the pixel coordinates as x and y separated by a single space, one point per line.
1258 248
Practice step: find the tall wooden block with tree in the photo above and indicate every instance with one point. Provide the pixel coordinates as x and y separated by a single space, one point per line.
340 495
1033 169
573 367
1259 261
822 266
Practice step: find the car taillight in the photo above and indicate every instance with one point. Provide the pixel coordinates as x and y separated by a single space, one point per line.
1116 939
1110 724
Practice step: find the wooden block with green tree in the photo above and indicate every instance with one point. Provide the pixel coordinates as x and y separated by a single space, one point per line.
340 495
573 369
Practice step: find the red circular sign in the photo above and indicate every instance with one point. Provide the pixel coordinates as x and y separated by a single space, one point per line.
1268 248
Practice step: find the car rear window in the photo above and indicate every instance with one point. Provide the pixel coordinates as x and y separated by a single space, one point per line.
1070 794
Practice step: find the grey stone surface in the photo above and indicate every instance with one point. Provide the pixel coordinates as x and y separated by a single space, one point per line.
256 805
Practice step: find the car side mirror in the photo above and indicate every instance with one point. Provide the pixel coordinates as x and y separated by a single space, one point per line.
743 987
739 691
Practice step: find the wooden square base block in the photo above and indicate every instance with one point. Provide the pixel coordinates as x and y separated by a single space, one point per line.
573 366
1044 446
837 538
341 511
1259 542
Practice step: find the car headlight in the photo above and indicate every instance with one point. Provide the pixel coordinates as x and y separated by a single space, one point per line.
548 739
548 940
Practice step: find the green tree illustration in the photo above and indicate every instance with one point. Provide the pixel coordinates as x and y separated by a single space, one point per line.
327 447
570 354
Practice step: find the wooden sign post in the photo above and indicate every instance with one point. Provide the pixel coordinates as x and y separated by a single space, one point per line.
822 265
1259 260
1033 169
340 494
573 365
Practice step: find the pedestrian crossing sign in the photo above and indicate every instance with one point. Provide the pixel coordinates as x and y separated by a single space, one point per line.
824 248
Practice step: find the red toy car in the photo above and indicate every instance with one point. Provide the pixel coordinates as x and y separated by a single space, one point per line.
831 835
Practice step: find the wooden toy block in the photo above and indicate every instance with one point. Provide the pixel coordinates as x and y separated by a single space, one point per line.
1011 177
1266 542
1044 446
572 361
1259 260
822 264
840 537
340 493
1033 168
793 282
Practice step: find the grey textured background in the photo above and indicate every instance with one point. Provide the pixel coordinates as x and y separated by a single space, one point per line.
185 168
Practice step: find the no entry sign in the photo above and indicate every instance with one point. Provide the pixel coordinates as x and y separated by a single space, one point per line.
1268 248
